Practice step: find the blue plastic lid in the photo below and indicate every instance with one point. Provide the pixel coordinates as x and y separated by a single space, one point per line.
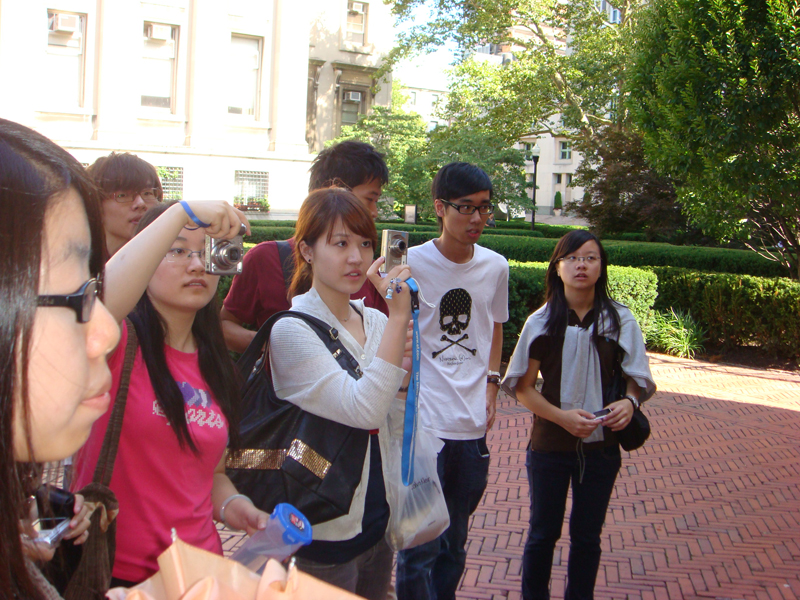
296 528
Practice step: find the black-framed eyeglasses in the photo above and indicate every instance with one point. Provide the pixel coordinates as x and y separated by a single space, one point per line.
469 209
126 196
82 301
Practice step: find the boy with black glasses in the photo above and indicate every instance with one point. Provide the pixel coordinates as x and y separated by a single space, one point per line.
461 341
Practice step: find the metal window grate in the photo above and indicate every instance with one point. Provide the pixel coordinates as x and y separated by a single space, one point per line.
251 185
171 182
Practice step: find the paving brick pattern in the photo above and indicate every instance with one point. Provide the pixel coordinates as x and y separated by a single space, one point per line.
709 508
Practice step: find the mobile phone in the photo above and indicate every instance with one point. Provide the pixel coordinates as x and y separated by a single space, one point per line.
601 414
50 530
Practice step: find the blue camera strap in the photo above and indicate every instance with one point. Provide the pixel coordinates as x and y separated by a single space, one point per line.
412 397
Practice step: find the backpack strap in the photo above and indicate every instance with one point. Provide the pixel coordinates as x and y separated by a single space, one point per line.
108 452
287 264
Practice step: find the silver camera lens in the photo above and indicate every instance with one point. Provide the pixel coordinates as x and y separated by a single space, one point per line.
398 246
227 255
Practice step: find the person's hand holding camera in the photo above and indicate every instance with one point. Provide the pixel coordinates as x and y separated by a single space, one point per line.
399 300
218 218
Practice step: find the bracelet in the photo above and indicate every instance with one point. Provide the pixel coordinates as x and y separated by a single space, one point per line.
403 389
193 216
225 503
495 379
494 373
633 400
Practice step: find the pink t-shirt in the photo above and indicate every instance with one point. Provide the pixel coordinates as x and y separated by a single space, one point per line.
159 485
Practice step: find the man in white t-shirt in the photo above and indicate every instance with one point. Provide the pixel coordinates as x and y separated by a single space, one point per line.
461 342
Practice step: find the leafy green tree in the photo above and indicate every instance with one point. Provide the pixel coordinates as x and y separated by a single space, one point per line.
714 88
544 89
622 193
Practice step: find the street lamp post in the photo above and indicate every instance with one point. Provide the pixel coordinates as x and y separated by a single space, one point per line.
535 152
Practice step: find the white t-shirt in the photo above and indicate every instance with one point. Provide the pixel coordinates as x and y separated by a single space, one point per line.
456 336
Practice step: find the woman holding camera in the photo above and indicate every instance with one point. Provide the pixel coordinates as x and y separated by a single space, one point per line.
577 341
170 465
54 332
335 241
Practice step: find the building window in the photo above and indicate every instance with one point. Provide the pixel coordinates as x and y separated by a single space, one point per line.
159 65
352 106
566 150
245 73
413 98
171 182
615 16
529 152
251 186
558 178
357 22
434 100
569 178
65 56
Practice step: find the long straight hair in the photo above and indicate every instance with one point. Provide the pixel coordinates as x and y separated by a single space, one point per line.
33 172
557 308
317 217
215 363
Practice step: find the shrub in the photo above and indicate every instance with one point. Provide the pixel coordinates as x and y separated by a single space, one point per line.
557 201
676 332
737 310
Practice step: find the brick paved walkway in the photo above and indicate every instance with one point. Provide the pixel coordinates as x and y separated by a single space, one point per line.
709 508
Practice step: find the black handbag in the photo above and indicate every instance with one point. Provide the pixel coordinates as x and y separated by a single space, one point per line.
286 454
637 431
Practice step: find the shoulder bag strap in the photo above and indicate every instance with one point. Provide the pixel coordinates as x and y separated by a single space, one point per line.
287 265
108 453
254 357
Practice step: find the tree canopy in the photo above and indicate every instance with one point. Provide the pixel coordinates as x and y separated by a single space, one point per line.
714 89
544 89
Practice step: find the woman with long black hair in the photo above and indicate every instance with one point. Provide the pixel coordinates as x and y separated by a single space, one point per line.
54 331
577 341
170 465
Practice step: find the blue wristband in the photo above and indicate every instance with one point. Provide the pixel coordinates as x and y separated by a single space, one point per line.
193 216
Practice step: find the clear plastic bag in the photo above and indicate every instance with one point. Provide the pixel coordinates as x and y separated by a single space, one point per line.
418 511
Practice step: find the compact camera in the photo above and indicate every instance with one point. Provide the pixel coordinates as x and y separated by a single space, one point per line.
394 248
51 530
224 257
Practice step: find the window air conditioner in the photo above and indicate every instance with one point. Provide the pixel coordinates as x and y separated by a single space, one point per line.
357 7
65 23
161 33
352 96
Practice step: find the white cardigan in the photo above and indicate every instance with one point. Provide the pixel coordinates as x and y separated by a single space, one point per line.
305 374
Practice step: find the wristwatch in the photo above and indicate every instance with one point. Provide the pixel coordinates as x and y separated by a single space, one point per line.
634 401
493 377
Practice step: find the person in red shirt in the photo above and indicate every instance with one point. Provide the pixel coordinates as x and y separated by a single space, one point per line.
260 290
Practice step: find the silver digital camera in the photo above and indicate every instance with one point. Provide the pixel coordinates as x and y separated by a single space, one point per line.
224 257
394 248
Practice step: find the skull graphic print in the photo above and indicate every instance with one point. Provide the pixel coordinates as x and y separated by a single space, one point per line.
455 310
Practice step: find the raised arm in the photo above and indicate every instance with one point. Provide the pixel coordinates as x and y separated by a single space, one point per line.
128 272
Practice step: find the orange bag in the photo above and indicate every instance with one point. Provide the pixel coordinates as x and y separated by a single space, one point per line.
189 573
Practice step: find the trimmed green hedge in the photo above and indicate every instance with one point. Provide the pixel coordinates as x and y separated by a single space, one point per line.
737 310
635 288
529 248
699 258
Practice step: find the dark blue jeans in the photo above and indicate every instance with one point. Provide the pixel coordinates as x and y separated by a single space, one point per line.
433 571
549 477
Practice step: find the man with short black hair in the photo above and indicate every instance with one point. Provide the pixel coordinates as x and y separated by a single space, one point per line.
131 187
260 291
461 342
